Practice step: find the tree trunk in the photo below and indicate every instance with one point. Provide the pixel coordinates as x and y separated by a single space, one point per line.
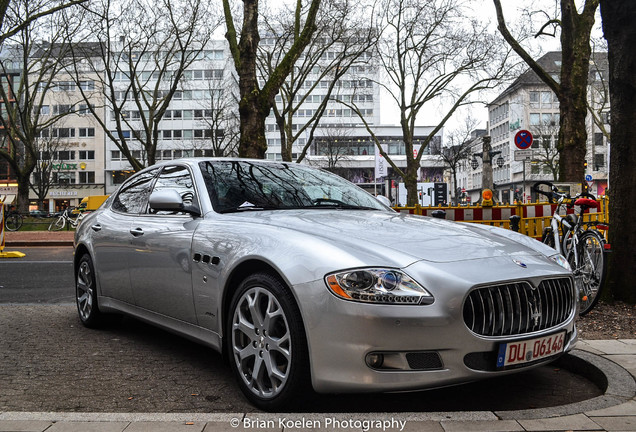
252 143
23 192
410 181
618 26
575 59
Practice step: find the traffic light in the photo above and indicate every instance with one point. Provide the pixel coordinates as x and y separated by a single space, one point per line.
585 164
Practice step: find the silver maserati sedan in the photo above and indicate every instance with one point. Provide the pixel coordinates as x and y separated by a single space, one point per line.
303 280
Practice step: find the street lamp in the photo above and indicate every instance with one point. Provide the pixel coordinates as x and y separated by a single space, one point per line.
491 154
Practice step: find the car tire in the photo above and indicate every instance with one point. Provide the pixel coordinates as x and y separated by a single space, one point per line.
266 343
86 293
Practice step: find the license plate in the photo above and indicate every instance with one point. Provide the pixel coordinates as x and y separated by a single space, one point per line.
530 350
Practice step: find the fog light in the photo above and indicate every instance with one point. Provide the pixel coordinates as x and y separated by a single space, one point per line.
375 360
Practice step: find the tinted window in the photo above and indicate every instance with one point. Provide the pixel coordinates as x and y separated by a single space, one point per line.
133 195
179 179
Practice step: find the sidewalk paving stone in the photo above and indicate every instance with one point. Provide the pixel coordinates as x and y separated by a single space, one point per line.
578 422
88 426
624 423
612 346
482 426
626 409
23 425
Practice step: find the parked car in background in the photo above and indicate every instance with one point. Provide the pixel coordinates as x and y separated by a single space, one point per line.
38 213
306 281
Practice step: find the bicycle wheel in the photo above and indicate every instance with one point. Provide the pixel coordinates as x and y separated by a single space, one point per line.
548 237
13 222
591 270
57 224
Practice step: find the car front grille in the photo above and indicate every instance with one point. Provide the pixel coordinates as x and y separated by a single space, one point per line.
518 308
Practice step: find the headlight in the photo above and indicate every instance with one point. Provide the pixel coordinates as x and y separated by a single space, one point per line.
380 286
560 260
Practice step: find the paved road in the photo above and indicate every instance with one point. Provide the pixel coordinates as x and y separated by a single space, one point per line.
50 362
44 275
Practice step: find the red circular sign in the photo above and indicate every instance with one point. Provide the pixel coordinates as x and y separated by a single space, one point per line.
523 139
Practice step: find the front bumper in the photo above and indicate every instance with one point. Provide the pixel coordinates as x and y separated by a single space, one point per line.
341 333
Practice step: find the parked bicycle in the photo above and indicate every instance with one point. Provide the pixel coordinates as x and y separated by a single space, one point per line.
13 220
578 241
66 217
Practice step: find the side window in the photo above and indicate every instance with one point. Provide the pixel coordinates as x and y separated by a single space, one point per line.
133 196
179 179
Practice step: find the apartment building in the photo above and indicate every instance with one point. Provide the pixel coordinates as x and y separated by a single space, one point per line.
201 116
75 143
529 104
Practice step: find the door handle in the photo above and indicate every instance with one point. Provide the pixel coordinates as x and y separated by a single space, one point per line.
137 232
96 227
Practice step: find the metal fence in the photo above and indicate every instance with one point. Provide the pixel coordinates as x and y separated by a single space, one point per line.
533 217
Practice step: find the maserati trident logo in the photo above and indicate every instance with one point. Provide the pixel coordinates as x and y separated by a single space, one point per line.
536 314
519 263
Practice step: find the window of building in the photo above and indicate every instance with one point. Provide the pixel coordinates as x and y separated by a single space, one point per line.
535 119
598 139
87 85
86 177
84 109
63 132
87 132
534 99
87 154
63 178
599 161
61 109
546 99
44 110
115 155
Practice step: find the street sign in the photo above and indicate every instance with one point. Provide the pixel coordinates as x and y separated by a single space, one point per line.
588 177
523 155
523 139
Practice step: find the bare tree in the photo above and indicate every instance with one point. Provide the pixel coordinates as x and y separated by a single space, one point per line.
256 101
618 18
571 87
142 55
49 164
458 150
342 38
431 57
27 13
333 144
222 123
31 71
545 155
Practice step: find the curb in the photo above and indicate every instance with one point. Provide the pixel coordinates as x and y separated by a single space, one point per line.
617 384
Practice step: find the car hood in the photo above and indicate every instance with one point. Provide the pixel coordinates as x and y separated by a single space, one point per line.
403 237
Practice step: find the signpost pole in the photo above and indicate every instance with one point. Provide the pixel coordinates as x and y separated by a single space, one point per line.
524 182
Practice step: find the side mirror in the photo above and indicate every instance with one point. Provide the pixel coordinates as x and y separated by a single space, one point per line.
170 200
384 200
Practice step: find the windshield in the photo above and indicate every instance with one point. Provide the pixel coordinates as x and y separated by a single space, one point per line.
253 185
